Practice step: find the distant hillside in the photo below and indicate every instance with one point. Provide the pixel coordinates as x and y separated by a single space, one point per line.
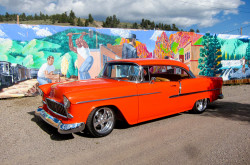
97 24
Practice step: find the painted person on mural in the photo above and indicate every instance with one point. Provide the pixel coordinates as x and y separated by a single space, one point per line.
83 55
46 74
129 49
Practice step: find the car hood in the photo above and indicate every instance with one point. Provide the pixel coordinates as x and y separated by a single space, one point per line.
83 87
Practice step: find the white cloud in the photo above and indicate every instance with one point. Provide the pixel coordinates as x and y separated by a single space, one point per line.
2 40
39 31
43 32
246 23
21 34
26 26
227 36
156 34
120 32
183 13
2 34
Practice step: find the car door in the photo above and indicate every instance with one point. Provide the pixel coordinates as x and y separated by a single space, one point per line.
154 99
192 90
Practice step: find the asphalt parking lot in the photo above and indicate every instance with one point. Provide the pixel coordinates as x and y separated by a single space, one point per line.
221 135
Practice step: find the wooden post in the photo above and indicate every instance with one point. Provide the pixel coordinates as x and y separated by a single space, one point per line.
17 19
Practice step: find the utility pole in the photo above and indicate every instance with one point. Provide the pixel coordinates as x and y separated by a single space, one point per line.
241 31
17 18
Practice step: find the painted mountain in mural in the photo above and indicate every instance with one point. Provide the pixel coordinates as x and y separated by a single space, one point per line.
174 44
162 47
182 38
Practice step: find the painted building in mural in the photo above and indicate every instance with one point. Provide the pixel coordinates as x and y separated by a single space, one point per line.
29 46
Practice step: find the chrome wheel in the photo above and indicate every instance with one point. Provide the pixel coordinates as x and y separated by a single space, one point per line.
200 105
103 120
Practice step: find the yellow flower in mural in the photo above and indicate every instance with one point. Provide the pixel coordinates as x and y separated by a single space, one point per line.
64 66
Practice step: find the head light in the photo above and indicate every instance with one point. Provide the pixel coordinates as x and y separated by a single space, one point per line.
66 102
40 92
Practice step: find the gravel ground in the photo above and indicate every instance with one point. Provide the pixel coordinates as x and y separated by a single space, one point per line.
221 135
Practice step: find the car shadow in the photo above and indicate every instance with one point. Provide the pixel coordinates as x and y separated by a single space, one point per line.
125 125
230 110
50 130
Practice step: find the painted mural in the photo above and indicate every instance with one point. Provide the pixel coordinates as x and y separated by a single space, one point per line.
81 52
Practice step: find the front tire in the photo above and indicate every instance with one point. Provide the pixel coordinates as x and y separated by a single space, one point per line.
101 122
200 106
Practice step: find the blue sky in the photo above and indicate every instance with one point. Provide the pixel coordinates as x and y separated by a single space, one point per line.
232 23
214 16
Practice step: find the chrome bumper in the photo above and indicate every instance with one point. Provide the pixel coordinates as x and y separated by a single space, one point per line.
62 128
221 96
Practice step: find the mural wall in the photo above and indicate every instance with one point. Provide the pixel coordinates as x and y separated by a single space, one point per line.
82 51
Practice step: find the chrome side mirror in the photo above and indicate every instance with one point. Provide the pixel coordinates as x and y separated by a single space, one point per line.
152 81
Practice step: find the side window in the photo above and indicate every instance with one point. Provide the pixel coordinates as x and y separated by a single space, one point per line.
167 73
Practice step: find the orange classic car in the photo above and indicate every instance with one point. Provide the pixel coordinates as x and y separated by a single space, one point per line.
135 90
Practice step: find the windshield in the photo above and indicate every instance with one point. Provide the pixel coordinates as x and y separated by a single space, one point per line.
120 71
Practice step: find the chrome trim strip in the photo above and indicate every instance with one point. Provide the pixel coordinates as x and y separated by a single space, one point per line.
117 97
179 87
184 94
62 128
149 93
105 99
68 114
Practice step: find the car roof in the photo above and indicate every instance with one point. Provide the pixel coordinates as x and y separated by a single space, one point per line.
147 61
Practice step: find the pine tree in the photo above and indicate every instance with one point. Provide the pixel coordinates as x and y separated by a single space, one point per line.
91 19
63 18
72 15
112 22
135 26
79 22
210 56
53 21
7 16
1 18
191 30
72 21
174 28
22 17
86 23
152 25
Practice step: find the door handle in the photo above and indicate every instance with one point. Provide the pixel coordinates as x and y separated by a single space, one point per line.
173 85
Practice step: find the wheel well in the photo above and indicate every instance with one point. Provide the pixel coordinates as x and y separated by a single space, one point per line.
119 116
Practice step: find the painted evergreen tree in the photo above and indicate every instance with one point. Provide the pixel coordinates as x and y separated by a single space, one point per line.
210 56
248 52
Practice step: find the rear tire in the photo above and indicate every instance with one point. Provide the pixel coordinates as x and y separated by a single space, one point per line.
200 106
101 122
